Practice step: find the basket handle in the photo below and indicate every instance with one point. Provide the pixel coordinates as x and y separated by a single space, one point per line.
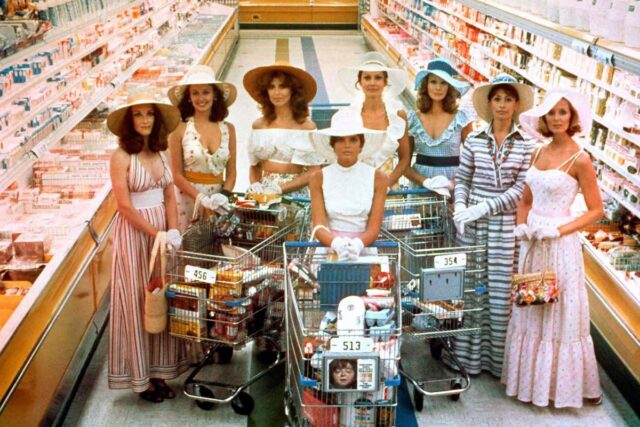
159 246
544 257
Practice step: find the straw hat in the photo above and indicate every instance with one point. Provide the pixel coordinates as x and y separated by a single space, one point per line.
170 115
202 75
529 119
346 122
481 94
447 72
251 78
374 62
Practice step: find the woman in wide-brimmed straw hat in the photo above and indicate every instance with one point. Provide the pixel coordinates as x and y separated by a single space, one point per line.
280 153
438 127
488 186
549 353
347 197
203 147
376 88
143 188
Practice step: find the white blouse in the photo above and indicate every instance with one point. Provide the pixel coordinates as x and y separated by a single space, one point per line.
348 195
282 146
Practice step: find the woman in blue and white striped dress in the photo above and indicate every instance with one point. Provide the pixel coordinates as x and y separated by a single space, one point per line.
489 184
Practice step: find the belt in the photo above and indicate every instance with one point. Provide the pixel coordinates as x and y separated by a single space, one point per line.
203 178
437 161
147 199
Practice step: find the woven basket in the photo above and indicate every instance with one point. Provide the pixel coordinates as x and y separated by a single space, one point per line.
534 288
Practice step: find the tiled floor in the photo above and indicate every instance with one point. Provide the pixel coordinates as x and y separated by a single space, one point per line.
485 404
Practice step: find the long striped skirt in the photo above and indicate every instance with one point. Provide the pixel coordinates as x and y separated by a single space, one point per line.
136 356
485 351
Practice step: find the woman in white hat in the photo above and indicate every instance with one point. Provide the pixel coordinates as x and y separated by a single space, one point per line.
143 188
438 127
280 153
377 88
488 186
203 146
347 197
549 353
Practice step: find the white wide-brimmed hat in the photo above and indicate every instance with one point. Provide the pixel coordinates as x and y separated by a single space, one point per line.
347 122
170 115
481 96
373 62
529 119
447 72
202 75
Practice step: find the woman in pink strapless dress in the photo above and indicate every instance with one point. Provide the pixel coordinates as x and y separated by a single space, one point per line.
549 354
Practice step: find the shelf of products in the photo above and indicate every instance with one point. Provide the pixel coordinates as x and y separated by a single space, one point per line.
57 208
482 43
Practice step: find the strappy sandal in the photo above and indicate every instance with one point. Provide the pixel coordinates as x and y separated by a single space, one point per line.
164 390
152 395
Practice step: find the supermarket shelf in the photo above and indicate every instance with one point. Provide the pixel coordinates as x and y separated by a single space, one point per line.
600 155
59 33
25 87
635 211
617 129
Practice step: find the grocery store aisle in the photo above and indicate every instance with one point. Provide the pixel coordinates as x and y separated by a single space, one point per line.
485 404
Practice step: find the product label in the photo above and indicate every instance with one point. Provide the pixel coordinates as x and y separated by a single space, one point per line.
199 274
352 344
602 55
451 260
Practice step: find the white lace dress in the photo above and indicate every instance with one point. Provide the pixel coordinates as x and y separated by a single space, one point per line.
196 158
549 353
283 146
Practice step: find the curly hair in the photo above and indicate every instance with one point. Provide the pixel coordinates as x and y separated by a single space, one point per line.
299 105
219 110
424 101
574 123
384 73
132 142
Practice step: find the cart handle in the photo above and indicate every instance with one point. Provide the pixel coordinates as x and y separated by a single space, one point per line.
410 191
318 245
308 382
393 382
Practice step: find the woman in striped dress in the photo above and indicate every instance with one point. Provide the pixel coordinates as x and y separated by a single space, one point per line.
438 127
489 184
143 187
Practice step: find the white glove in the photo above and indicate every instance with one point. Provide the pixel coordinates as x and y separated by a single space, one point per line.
256 187
472 213
439 184
354 248
542 233
218 203
459 207
340 245
174 239
522 232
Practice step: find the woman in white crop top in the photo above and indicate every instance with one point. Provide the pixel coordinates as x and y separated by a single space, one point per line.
279 146
203 147
347 197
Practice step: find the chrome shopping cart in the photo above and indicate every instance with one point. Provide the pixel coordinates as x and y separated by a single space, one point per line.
226 299
417 211
343 324
442 291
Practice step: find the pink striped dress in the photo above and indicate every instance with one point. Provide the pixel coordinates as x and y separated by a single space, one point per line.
134 355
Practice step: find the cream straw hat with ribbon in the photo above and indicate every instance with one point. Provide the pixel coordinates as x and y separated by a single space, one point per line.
202 75
169 114
481 96
251 79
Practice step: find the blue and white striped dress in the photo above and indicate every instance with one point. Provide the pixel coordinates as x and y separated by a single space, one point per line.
496 176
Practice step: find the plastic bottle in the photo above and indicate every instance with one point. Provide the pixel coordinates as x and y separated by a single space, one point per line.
598 17
581 11
615 20
632 25
567 12
552 10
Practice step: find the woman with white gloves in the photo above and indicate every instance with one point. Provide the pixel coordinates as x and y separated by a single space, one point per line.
489 183
347 197
203 147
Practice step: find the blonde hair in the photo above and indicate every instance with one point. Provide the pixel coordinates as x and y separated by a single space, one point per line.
574 123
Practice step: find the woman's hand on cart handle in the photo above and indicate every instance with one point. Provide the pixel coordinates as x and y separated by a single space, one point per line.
523 232
542 233
354 248
439 184
472 213
174 239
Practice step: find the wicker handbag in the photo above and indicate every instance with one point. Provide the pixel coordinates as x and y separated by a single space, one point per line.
155 301
534 288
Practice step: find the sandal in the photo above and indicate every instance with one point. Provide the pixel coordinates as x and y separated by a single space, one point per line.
152 395
164 390
594 401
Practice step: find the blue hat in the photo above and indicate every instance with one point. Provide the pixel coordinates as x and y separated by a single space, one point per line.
481 95
447 72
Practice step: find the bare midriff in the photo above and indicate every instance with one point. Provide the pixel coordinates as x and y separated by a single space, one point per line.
276 167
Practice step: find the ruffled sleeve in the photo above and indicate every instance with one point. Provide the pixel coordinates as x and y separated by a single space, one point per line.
302 150
259 147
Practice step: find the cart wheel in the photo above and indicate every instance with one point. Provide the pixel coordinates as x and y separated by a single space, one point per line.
243 403
455 385
200 390
436 347
418 400
225 353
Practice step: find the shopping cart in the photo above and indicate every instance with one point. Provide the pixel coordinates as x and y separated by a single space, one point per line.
226 299
442 290
417 211
343 324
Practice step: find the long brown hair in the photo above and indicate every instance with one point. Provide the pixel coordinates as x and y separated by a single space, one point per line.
132 142
299 105
219 109
424 101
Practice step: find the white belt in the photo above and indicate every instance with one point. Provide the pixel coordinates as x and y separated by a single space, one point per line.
147 199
